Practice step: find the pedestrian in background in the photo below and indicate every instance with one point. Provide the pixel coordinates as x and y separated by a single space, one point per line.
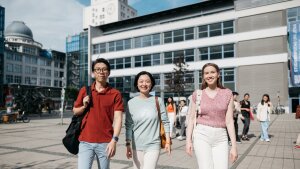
171 110
98 136
245 110
236 115
264 109
212 117
143 125
183 109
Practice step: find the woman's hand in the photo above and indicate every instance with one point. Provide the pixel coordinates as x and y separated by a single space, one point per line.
233 154
128 152
168 148
189 148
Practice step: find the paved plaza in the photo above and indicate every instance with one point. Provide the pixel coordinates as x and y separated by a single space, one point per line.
38 145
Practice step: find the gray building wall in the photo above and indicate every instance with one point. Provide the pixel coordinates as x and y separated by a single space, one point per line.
263 79
261 21
266 46
246 4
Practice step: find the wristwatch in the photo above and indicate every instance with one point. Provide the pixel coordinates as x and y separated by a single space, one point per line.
115 138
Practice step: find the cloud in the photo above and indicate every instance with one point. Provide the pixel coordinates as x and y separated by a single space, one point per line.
50 20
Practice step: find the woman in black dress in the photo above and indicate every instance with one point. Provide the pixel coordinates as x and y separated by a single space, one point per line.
245 110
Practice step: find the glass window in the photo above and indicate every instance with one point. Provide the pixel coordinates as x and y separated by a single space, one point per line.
168 37
203 31
156 79
18 58
189 33
111 46
156 39
112 63
127 44
127 83
119 63
9 78
119 83
146 41
96 49
228 51
203 53
215 29
27 70
48 73
177 55
216 52
147 60
34 70
33 81
127 63
189 55
119 45
9 67
27 80
18 79
156 59
42 72
168 57
138 42
178 35
138 61
102 47
227 27
18 68
27 59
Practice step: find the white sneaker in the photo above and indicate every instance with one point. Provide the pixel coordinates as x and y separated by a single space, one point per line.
268 140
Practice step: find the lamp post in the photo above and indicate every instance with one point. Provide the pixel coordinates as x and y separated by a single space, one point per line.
62 100
49 93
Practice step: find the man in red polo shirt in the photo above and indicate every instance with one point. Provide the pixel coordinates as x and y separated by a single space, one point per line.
98 136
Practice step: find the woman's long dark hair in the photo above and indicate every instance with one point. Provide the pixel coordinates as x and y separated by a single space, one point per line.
172 101
262 99
219 84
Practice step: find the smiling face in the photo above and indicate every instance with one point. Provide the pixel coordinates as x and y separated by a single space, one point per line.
266 99
211 75
144 84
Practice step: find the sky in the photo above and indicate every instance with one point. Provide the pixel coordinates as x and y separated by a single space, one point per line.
51 21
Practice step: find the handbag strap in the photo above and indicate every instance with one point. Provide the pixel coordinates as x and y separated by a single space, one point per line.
87 109
157 107
198 100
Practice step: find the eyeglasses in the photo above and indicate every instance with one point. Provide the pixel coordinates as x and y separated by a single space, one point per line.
98 70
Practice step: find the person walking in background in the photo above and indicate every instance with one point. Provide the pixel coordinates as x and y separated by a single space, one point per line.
264 109
212 117
183 109
245 110
98 136
236 114
143 125
171 110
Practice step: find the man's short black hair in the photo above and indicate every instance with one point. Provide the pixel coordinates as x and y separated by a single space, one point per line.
143 73
101 60
235 93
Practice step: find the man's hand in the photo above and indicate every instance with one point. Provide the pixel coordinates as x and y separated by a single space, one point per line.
86 101
111 148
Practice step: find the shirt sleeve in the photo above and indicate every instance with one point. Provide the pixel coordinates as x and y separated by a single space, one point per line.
164 117
119 106
81 95
128 124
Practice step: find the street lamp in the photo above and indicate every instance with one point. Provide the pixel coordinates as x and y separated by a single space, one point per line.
49 93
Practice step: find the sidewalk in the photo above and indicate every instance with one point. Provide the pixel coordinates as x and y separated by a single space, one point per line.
38 145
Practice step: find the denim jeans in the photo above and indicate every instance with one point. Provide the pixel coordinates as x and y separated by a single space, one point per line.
87 152
246 122
264 130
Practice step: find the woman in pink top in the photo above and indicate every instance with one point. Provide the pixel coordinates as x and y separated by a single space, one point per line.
212 112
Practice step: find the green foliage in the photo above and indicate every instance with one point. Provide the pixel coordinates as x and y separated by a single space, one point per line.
71 93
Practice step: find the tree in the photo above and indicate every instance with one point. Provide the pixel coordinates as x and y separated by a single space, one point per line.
71 93
176 82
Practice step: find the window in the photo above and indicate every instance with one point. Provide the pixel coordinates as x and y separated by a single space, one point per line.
9 67
33 70
18 68
178 35
228 51
156 39
9 78
112 63
27 70
48 73
119 45
138 42
203 53
138 61
27 80
119 63
127 63
127 44
189 55
147 60
168 58
56 74
215 29
18 57
227 27
33 81
111 46
96 49
127 84
216 52
189 33
168 37
156 79
18 79
42 72
156 59
146 41
102 47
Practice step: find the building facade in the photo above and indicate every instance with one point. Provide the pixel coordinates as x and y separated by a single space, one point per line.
77 60
28 67
2 21
247 39
106 11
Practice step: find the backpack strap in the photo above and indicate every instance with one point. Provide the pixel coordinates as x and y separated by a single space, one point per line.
198 100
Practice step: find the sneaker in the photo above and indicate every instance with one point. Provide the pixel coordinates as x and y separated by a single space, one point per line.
268 140
238 142
179 137
261 139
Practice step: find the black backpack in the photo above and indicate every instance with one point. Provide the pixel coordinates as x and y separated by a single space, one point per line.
71 141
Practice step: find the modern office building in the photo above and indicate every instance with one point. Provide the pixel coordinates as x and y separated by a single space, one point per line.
2 19
106 11
77 60
247 39
29 67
